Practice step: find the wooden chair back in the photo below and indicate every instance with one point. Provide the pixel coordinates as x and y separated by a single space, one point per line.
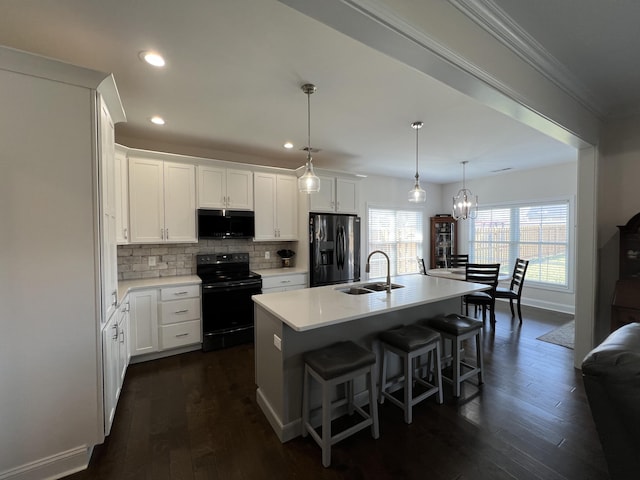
458 260
483 273
519 271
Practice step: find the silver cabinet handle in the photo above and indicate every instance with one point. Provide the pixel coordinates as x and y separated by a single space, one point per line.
126 233
285 281
114 297
167 230
182 335
162 233
181 312
115 335
121 336
181 293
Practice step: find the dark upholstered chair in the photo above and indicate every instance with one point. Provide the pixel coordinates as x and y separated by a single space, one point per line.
514 292
458 260
421 267
482 273
611 375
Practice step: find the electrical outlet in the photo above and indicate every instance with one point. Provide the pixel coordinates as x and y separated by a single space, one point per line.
152 261
277 341
267 255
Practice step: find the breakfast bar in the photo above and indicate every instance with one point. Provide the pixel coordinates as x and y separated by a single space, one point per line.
288 324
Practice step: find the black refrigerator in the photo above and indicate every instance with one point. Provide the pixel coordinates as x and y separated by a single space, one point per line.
334 248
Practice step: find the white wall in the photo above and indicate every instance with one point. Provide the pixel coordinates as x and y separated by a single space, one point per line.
538 184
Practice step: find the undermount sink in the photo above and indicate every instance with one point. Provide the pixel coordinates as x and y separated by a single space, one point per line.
368 288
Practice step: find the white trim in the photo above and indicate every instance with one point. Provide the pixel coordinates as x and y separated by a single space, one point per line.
495 21
537 303
55 466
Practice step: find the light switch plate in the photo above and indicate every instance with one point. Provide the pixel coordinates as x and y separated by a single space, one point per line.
152 261
267 255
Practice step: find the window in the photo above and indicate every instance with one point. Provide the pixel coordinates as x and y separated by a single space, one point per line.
398 233
538 232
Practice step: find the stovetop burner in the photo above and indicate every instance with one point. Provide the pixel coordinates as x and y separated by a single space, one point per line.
224 267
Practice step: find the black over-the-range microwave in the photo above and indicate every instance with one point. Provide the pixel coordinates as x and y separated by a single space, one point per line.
226 224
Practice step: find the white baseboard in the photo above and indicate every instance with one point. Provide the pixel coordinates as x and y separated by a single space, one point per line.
52 467
556 307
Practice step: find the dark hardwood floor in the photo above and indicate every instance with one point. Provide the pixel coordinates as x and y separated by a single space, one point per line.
194 416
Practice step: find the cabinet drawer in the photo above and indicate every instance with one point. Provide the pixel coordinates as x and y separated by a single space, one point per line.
184 291
284 280
180 334
179 311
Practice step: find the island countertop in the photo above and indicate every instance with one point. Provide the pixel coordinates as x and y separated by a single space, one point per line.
317 307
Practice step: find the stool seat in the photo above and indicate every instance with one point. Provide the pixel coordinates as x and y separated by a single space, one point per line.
337 359
409 338
455 324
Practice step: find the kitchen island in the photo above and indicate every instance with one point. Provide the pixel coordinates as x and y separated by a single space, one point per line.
288 324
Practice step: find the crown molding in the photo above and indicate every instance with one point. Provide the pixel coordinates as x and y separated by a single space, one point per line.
495 21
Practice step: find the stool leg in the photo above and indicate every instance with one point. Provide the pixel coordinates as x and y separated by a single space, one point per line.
455 345
326 425
438 372
305 401
349 392
383 376
479 358
408 387
373 404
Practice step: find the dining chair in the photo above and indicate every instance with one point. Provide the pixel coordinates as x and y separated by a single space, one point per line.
482 273
514 292
421 267
458 260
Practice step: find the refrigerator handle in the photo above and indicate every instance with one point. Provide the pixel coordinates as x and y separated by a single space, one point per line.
341 247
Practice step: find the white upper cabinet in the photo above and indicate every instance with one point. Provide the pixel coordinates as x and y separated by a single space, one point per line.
225 188
337 195
162 201
275 206
122 197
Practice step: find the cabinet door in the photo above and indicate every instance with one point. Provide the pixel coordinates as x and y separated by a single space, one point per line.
110 371
122 198
286 207
143 320
123 342
212 190
146 200
179 202
324 200
265 206
239 189
346 196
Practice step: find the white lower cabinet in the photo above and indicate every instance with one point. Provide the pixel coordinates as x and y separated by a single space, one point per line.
284 283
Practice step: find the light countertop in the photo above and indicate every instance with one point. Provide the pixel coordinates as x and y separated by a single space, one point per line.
311 308
126 286
272 272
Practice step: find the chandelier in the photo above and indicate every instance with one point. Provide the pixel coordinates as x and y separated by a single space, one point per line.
464 205
417 194
309 182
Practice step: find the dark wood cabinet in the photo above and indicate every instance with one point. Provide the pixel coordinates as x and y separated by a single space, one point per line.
444 239
625 307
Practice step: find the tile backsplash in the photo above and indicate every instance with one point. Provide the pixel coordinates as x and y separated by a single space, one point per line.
180 259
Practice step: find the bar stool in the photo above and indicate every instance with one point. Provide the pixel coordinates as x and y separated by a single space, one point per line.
410 343
330 366
457 328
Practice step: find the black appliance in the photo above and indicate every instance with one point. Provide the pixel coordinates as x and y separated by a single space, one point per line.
221 224
227 308
334 248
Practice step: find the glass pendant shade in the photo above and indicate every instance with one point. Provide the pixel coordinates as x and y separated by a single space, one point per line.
417 194
465 204
309 182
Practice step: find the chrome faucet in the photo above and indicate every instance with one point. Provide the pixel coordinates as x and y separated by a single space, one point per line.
367 267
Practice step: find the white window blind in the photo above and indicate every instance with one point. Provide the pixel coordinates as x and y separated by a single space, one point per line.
538 232
398 233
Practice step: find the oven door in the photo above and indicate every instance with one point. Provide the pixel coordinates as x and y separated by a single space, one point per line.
227 310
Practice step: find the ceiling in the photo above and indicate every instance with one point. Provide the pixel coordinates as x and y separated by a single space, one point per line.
234 70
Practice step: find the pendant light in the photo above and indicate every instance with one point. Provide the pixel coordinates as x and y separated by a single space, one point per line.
417 194
463 205
309 182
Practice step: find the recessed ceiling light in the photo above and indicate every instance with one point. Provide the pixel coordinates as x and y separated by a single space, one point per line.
152 58
288 145
157 120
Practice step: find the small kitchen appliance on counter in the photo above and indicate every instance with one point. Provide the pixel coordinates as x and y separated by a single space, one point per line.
287 257
227 308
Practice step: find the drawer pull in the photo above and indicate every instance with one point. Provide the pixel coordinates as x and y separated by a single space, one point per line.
285 281
181 311
182 335
180 293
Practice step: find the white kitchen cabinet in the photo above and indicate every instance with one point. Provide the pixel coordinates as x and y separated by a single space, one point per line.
336 195
124 344
143 320
180 318
162 201
121 196
110 374
284 283
108 224
276 207
225 188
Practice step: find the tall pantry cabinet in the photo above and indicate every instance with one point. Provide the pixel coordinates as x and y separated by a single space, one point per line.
56 278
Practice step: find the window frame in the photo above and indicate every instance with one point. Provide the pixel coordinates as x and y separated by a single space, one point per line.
539 202
394 208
